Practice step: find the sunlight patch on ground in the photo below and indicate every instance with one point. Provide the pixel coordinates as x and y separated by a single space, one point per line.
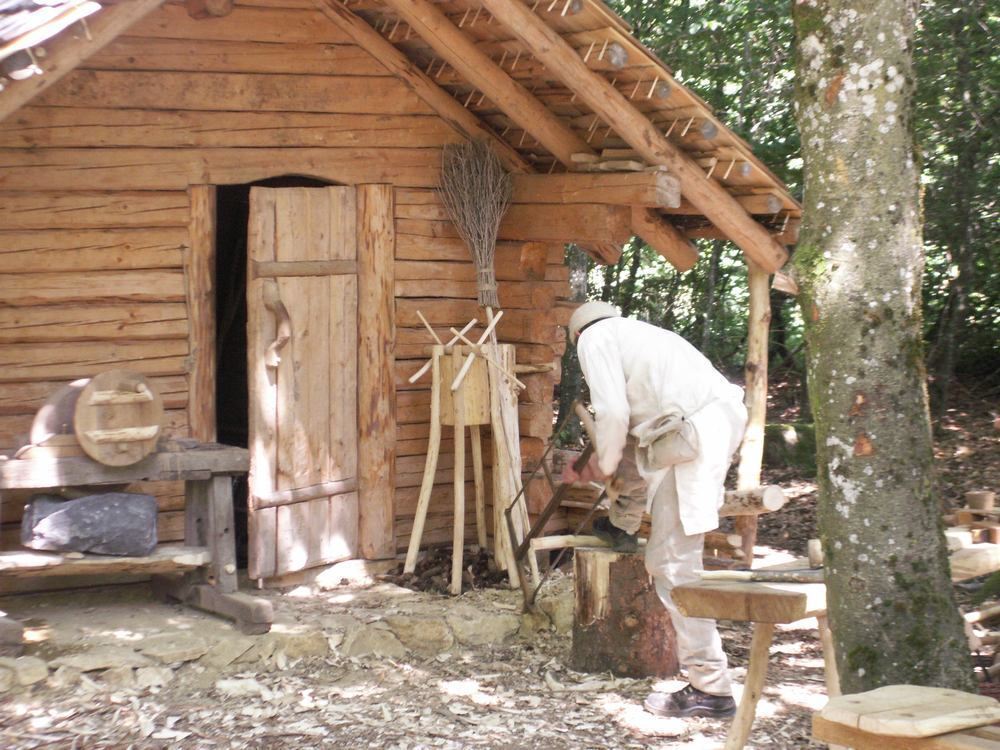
123 635
633 717
468 688
790 694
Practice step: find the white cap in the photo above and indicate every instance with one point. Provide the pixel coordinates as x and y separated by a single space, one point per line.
588 312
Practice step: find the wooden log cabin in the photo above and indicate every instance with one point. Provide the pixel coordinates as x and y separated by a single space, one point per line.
163 150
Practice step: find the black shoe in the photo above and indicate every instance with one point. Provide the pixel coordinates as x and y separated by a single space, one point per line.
689 701
619 540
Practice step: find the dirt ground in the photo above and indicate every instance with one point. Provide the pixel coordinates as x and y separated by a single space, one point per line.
331 675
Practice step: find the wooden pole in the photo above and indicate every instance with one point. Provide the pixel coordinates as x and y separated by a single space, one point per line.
760 646
593 90
458 536
752 449
430 465
199 270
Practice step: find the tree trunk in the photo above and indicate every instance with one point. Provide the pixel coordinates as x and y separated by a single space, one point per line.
859 264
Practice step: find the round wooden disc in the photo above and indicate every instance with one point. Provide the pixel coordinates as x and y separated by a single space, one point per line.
118 418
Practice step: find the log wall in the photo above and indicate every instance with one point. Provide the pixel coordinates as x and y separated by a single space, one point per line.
95 178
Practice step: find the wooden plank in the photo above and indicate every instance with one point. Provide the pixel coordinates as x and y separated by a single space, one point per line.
91 250
27 398
233 92
600 96
132 52
439 100
416 260
753 602
83 127
316 532
278 25
461 52
664 238
167 559
838 734
154 285
274 269
81 322
93 210
974 561
199 273
376 366
653 189
176 169
66 51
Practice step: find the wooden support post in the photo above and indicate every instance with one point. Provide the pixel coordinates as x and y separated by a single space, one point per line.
664 238
430 465
376 372
476 438
458 487
199 272
752 449
612 106
760 646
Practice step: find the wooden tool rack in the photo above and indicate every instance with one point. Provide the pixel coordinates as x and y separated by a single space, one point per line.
201 573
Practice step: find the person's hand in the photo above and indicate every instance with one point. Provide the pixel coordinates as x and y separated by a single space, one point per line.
591 472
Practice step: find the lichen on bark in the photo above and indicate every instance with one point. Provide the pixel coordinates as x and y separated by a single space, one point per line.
859 266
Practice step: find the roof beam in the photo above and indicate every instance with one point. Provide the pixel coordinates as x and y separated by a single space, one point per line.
67 51
655 189
461 52
664 238
457 116
706 194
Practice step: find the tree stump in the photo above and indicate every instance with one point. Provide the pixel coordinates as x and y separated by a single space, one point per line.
619 624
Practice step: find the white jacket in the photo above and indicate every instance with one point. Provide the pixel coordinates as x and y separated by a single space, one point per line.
636 372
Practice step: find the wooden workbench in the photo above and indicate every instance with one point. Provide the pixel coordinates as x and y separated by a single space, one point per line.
765 605
201 573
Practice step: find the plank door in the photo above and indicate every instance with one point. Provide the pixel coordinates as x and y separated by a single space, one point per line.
302 344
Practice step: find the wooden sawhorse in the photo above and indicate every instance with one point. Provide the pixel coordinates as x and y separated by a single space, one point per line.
765 605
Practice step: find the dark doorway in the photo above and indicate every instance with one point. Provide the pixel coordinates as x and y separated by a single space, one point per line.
232 398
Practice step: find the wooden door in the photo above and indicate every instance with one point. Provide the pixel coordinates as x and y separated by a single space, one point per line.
302 344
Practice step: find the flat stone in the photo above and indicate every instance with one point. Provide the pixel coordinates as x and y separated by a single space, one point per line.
8 679
481 627
119 677
559 606
373 640
300 643
423 635
27 669
224 652
110 523
146 677
65 676
172 648
102 657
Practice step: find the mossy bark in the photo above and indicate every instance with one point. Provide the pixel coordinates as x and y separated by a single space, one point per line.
859 265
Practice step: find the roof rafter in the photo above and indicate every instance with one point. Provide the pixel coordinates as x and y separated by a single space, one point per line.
65 52
717 205
448 41
457 116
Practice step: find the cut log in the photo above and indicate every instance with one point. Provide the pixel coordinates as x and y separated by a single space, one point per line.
752 502
619 625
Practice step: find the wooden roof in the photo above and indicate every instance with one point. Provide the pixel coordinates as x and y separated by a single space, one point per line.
558 86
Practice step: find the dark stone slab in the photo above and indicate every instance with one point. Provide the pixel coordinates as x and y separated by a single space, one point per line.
111 523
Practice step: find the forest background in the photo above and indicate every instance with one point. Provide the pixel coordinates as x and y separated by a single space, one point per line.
738 56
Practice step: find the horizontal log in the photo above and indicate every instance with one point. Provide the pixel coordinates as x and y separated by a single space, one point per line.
664 238
762 203
233 92
235 56
512 296
515 326
71 127
81 322
57 361
91 250
27 398
507 259
277 25
177 169
654 189
753 502
94 210
15 429
130 286
170 559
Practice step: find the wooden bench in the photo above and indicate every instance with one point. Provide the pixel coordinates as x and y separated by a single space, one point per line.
765 605
906 717
202 573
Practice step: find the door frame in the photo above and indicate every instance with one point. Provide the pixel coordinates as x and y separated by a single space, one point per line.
376 237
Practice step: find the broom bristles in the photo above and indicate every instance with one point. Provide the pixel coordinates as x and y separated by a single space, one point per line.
476 192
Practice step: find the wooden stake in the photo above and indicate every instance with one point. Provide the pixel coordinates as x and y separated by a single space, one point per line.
760 646
476 438
430 466
458 537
